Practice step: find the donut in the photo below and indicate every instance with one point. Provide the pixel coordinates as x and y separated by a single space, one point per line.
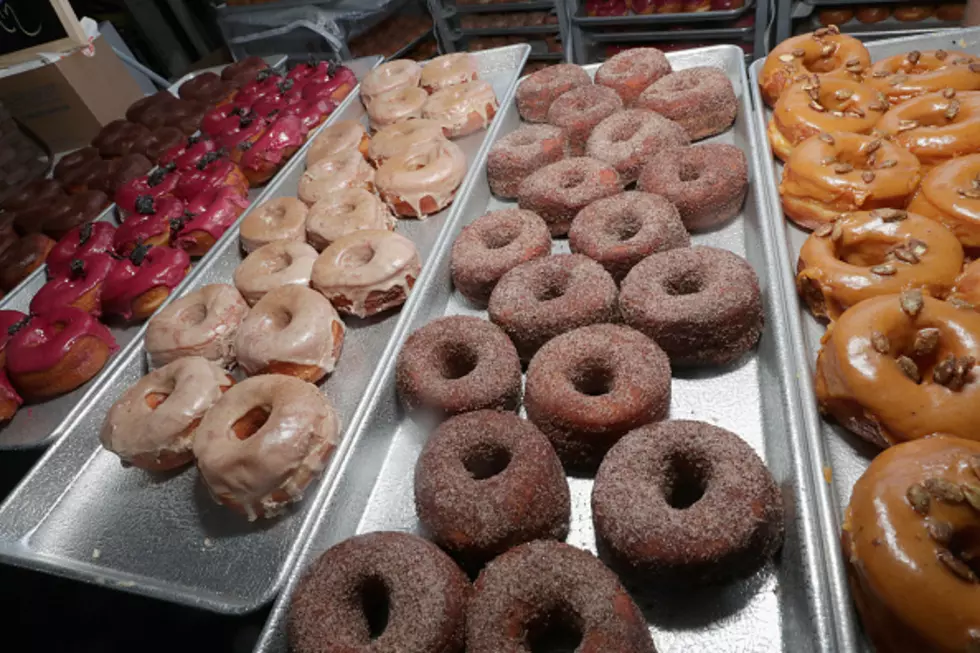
458 364
882 252
620 231
186 155
914 594
686 503
337 603
822 105
626 139
52 354
396 106
121 171
347 169
10 323
424 181
448 70
157 184
201 324
212 171
935 127
702 305
339 137
207 217
263 442
492 245
825 52
344 212
244 71
631 72
921 349
537 589
473 473
537 91
951 12
367 271
389 77
155 143
334 89
81 287
949 194
699 99
153 225
912 13
578 111
965 290
292 330
916 73
263 158
10 401
402 138
283 218
39 191
117 138
280 263
462 109
558 191
74 169
152 425
83 207
207 87
872 14
707 182
22 258
136 286
835 16
834 173
79 243
542 298
515 156
152 110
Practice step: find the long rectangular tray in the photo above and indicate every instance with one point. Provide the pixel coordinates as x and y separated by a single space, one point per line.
80 514
635 20
837 458
39 425
783 607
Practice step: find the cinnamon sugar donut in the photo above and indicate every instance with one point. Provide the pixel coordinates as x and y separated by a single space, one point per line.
492 245
707 183
396 106
557 192
347 169
283 218
536 92
589 387
632 71
339 137
403 138
516 155
153 424
622 230
201 324
344 212
424 181
367 271
388 77
458 364
264 442
448 70
580 110
702 305
280 263
292 330
463 108
625 140
542 298
699 99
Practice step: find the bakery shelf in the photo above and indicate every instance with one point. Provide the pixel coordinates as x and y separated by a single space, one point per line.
505 31
730 34
890 26
499 7
579 18
411 45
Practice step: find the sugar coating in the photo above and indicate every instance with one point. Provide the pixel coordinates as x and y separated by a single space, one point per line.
536 93
622 230
729 532
578 112
629 73
557 192
700 99
521 152
426 594
625 140
530 583
701 304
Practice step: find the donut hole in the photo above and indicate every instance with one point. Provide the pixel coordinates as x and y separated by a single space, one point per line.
571 179
248 424
356 256
593 378
501 237
278 318
193 315
685 482
684 282
375 605
863 253
688 171
154 399
551 286
622 133
456 361
625 227
555 630
486 460
522 140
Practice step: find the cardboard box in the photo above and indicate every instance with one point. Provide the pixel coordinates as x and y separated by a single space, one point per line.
67 102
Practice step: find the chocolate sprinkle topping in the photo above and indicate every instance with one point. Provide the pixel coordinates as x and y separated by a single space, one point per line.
156 177
77 267
145 205
139 253
84 233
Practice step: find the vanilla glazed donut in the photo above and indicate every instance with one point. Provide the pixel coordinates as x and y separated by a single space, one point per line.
280 263
283 218
402 138
347 169
344 212
396 106
388 77
422 182
462 109
339 137
448 70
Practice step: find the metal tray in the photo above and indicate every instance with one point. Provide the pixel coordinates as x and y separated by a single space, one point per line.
837 458
498 7
80 514
728 33
583 20
890 25
781 608
461 32
40 424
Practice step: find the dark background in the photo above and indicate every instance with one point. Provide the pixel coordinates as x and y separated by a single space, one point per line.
31 14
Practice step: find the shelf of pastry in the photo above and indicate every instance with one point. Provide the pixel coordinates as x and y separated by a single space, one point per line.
732 34
461 7
884 23
611 13
544 47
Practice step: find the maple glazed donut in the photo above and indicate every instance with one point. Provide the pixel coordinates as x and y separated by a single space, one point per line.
264 442
283 218
950 194
396 106
921 498
579 111
866 254
425 600
834 173
625 140
388 77
201 324
829 105
344 212
339 137
448 70
557 192
915 73
686 502
935 127
966 289
424 181
537 91
152 425
631 72
347 169
922 350
280 263
367 271
463 108
458 364
402 138
526 149
825 52
699 99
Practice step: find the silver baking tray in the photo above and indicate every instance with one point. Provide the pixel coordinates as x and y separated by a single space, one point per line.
783 606
634 20
837 458
80 514
40 424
